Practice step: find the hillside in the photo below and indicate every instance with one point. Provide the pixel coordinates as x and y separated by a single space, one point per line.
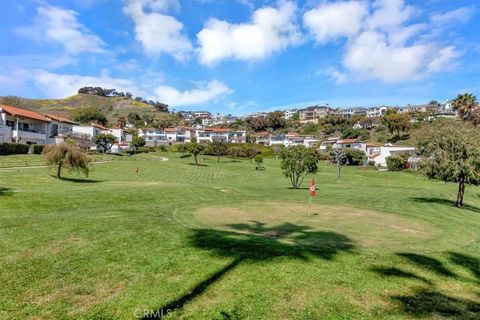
112 107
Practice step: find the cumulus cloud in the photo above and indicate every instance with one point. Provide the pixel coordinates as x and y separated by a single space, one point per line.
157 32
57 85
330 21
381 44
60 26
270 30
174 97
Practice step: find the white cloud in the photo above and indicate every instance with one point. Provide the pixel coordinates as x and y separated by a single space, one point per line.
174 97
57 85
443 60
157 32
330 21
270 30
389 14
462 14
60 26
381 44
370 56
335 75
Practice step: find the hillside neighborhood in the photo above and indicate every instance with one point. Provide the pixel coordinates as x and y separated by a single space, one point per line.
28 127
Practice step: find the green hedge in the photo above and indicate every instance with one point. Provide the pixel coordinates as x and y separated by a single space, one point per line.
38 148
13 148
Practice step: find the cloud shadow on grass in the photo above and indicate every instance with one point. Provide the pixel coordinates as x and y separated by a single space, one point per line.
253 243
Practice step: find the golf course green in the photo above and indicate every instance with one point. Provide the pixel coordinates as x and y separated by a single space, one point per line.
225 241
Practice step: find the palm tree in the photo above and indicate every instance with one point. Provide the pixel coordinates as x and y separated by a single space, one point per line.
465 104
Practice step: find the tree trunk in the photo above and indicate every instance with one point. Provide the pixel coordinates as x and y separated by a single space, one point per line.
339 171
59 170
461 192
218 159
196 161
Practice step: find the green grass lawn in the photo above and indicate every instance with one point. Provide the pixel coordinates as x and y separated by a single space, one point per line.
223 241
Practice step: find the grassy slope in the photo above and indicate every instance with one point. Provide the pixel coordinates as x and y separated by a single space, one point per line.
112 107
120 243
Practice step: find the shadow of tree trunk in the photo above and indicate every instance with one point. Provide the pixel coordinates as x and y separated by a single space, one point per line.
179 303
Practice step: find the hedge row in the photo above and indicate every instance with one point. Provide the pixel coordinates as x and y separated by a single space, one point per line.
38 148
13 148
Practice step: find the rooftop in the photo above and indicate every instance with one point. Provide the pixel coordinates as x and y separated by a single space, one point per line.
17 112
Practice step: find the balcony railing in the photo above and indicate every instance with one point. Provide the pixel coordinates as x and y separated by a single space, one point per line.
30 131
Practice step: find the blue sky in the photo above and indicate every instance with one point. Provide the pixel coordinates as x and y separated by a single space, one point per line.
239 56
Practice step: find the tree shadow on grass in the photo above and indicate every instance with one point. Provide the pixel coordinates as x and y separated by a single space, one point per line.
198 165
469 262
426 302
445 202
253 243
6 191
77 180
429 263
396 272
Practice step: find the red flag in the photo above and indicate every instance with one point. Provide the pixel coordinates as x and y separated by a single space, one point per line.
312 188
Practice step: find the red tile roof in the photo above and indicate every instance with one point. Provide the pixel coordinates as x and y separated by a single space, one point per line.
170 129
59 118
347 141
218 130
99 126
17 112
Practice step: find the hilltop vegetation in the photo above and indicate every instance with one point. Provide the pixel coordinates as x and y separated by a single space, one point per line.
114 108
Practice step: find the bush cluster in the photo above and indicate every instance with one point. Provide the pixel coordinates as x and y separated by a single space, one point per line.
13 148
397 163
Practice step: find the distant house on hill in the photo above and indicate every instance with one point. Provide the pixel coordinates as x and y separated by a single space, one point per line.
313 113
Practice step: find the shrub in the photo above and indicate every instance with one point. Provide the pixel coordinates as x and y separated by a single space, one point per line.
38 148
13 148
397 162
355 157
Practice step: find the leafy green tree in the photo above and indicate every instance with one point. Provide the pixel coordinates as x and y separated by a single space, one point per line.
396 122
296 116
351 133
219 149
259 161
137 142
297 163
310 128
451 153
276 120
88 114
67 156
104 141
465 104
195 149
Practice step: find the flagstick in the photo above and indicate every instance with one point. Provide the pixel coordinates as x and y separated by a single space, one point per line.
309 205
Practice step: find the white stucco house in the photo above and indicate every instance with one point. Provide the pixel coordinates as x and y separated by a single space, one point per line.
23 126
380 158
